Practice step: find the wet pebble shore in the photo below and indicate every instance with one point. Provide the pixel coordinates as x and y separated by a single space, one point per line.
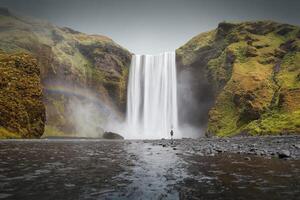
283 147
205 168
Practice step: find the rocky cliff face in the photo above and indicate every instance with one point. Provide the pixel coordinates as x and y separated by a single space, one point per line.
247 75
68 60
22 112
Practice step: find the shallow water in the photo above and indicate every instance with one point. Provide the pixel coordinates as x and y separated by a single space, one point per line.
97 169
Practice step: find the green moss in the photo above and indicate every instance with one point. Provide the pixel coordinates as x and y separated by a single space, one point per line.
290 68
123 86
21 106
6 134
188 51
223 117
239 49
53 131
220 69
275 123
256 92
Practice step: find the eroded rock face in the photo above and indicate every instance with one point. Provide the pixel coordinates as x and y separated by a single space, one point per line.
252 77
22 112
68 60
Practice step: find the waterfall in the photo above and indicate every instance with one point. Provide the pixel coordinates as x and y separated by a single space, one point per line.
152 96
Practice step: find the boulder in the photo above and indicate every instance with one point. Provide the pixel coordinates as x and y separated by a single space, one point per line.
284 154
112 136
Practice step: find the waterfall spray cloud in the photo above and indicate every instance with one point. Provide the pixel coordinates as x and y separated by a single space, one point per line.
86 113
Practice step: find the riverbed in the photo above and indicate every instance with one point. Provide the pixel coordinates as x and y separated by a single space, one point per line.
233 168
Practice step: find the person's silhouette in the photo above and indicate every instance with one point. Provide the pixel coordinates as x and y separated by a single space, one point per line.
171 133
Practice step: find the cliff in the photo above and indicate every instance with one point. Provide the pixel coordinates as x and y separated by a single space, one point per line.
247 75
22 112
68 61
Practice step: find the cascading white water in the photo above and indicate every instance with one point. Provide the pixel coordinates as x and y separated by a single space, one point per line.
152 96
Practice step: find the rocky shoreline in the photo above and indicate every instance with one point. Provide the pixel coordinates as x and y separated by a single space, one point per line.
283 147
204 168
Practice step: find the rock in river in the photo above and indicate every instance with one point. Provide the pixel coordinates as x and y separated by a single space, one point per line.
111 135
284 154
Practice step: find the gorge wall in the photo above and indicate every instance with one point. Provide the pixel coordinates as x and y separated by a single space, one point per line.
74 67
243 79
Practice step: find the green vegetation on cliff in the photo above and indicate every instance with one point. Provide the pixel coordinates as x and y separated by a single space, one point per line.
67 58
254 70
22 112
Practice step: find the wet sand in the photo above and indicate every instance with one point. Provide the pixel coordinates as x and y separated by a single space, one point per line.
236 168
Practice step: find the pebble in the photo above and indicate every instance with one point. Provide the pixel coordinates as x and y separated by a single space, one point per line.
265 146
297 146
247 158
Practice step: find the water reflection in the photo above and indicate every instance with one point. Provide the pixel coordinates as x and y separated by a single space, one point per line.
237 177
95 169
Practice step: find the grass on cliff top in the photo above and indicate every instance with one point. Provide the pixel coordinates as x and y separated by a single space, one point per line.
188 52
6 134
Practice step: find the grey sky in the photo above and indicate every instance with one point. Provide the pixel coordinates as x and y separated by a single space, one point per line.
153 26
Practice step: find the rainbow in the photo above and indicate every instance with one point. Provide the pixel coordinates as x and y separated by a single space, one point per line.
71 92
80 93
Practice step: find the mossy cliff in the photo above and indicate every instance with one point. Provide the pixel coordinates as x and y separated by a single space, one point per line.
22 112
251 72
68 58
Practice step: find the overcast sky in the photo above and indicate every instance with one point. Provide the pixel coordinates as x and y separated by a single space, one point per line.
153 26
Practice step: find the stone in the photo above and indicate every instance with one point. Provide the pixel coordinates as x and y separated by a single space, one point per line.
111 135
247 158
297 146
284 154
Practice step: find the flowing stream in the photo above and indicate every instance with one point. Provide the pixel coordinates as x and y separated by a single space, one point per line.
152 96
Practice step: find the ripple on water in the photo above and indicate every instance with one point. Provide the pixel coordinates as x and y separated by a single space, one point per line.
4 195
154 174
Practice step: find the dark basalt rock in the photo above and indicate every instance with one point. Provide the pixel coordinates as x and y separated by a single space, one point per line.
261 27
298 34
285 30
284 154
112 136
224 28
289 46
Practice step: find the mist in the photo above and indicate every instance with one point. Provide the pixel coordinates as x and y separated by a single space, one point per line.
87 114
195 98
87 118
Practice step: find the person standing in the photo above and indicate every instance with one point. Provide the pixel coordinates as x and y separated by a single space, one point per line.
172 133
